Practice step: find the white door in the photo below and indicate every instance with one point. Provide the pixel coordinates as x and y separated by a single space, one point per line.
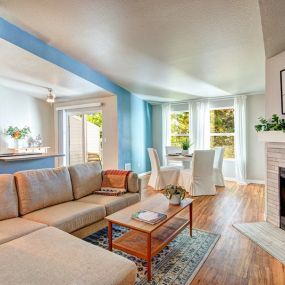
84 137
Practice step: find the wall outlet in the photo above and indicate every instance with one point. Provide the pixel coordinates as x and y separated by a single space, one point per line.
128 166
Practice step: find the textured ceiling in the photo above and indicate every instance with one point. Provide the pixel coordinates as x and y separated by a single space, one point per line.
273 26
23 71
162 49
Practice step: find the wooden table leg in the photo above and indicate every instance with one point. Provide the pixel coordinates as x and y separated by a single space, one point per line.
149 257
110 235
190 218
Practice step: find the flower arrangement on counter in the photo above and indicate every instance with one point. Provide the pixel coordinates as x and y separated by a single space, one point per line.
18 134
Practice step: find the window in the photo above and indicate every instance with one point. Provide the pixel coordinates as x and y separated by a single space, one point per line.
179 128
222 130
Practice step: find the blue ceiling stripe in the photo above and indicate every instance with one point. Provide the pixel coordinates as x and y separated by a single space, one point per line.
31 43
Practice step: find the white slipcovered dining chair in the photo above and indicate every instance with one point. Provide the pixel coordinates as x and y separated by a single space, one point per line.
161 176
218 166
173 150
199 180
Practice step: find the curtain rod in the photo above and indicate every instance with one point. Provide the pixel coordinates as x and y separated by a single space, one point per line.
223 98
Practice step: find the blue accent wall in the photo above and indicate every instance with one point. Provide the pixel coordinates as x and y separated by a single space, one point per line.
141 131
127 118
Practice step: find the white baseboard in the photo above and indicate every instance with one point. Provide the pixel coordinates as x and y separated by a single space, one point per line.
248 181
255 181
233 179
142 175
230 179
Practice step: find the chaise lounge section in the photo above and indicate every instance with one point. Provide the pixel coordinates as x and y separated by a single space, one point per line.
39 209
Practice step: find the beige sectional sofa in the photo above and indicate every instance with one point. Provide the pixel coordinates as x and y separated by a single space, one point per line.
39 209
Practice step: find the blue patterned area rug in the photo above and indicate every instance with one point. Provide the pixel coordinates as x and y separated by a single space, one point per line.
176 264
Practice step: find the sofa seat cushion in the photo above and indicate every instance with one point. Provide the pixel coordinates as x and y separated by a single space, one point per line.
51 256
112 203
14 228
132 198
38 189
69 216
8 197
86 178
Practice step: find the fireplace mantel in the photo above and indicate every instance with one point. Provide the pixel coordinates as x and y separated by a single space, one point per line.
272 137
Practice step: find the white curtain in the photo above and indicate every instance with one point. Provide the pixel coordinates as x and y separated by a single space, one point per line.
202 133
192 121
240 138
166 129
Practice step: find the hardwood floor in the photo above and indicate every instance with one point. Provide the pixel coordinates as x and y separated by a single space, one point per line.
235 259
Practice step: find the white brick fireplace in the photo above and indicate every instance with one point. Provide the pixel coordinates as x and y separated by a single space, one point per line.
275 158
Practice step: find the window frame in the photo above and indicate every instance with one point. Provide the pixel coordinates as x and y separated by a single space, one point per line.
221 134
180 135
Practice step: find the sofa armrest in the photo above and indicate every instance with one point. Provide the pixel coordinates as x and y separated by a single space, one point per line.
134 183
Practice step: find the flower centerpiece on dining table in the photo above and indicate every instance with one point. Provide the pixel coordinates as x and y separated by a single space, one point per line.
17 134
174 193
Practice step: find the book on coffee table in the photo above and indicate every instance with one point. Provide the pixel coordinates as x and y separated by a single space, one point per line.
149 217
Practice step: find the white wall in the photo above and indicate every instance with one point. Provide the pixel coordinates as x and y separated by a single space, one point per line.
255 149
110 127
157 129
18 109
273 93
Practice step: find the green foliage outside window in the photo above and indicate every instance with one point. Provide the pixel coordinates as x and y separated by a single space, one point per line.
179 128
224 141
222 121
95 118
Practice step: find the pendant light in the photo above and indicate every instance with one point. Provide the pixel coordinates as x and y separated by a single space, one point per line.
50 96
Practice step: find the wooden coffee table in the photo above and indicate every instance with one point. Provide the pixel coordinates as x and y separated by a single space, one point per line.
146 240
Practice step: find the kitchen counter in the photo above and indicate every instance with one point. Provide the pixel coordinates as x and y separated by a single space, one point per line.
18 162
28 156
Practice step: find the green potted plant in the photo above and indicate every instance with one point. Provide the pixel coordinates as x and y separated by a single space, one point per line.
174 193
186 144
271 130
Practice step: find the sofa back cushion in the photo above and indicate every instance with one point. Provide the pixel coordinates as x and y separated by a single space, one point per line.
8 197
86 178
38 189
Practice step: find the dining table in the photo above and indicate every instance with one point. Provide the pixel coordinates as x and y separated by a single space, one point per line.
184 158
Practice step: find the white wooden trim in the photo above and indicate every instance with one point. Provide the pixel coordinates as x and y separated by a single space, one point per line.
222 134
255 181
221 108
78 106
272 136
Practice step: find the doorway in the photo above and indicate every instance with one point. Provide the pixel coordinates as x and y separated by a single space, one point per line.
84 137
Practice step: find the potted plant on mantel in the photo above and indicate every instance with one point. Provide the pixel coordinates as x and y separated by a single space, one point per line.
174 193
272 130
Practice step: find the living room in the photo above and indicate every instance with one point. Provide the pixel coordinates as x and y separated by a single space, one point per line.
142 136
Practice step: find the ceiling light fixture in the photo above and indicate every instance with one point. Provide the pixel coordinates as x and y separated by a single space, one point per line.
50 96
